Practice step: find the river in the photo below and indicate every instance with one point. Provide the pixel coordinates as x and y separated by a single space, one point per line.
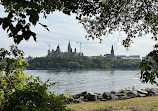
98 81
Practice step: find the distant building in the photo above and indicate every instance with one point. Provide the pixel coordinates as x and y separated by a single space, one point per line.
112 52
121 56
59 53
111 55
131 57
135 57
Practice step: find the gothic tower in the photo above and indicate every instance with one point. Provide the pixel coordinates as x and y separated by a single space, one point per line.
69 47
58 49
112 52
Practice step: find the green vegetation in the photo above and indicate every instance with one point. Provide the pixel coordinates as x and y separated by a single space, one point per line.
19 92
82 62
136 104
99 17
149 68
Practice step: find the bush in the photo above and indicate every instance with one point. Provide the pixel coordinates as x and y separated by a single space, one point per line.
34 97
21 93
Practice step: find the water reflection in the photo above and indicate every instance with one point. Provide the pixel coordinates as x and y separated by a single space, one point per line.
112 72
90 80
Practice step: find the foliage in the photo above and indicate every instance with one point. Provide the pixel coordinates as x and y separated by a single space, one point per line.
133 17
99 17
11 72
19 92
81 62
19 11
149 68
34 97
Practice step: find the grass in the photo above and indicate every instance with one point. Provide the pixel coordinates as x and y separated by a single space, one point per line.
135 104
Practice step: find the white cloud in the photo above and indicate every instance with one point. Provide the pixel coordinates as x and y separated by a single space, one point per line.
65 28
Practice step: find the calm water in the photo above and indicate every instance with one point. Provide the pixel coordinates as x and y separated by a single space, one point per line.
92 81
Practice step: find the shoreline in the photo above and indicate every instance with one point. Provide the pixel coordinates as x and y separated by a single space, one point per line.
112 95
82 69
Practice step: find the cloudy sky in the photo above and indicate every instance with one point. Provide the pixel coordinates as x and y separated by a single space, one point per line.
65 28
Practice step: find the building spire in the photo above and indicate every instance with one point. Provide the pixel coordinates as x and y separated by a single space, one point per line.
112 52
112 48
69 47
58 48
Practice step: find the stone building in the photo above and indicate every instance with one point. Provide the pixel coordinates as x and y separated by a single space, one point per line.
124 57
59 53
111 55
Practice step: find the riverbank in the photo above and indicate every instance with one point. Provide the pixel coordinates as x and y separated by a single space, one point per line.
123 100
108 96
134 104
84 69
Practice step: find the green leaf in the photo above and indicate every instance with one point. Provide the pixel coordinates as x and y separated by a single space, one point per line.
4 25
1 21
20 62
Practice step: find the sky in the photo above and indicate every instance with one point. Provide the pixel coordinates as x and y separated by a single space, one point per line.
64 28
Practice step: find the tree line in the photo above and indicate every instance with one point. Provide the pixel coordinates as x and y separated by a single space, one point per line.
82 62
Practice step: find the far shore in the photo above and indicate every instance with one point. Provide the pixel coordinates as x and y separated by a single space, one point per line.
84 69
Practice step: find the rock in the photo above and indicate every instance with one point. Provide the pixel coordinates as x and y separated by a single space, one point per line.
126 94
130 94
141 95
135 93
114 97
107 95
147 89
113 92
92 97
150 92
99 97
119 94
85 93
82 98
121 91
142 92
122 98
76 96
90 93
154 90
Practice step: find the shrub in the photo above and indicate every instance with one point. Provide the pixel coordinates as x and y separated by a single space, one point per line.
19 92
35 97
